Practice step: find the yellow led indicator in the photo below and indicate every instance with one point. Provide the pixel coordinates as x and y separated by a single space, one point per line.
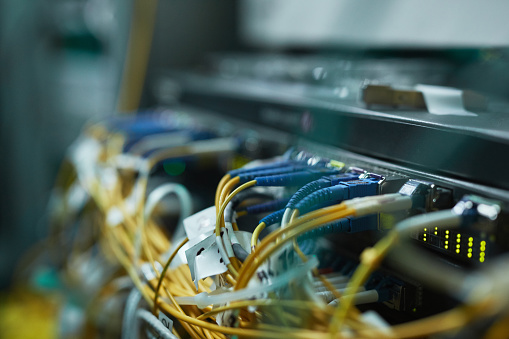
483 254
447 232
338 164
424 239
481 259
446 247
470 239
446 242
470 244
469 255
446 236
458 240
469 250
436 233
458 250
425 229
459 235
436 228
483 243
458 246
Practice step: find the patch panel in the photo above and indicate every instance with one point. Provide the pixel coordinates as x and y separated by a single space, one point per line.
444 192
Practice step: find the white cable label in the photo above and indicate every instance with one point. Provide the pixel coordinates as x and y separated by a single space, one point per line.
180 258
148 271
108 177
200 222
76 197
204 259
134 199
114 217
243 239
128 161
167 322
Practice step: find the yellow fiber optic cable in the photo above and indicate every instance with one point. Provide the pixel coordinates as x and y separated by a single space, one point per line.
255 259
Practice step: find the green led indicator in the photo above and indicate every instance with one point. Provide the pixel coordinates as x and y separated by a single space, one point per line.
174 168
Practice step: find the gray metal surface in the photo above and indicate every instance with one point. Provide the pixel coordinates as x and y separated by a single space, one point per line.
468 148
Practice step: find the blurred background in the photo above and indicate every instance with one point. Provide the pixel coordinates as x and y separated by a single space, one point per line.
66 62
61 66
61 63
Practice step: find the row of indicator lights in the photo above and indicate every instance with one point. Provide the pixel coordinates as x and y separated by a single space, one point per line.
435 232
483 249
482 254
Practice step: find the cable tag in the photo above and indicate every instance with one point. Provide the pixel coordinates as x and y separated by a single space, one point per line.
228 318
84 152
167 322
134 199
148 271
228 236
278 264
242 238
204 259
76 197
200 222
263 276
108 177
128 161
180 258
114 217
